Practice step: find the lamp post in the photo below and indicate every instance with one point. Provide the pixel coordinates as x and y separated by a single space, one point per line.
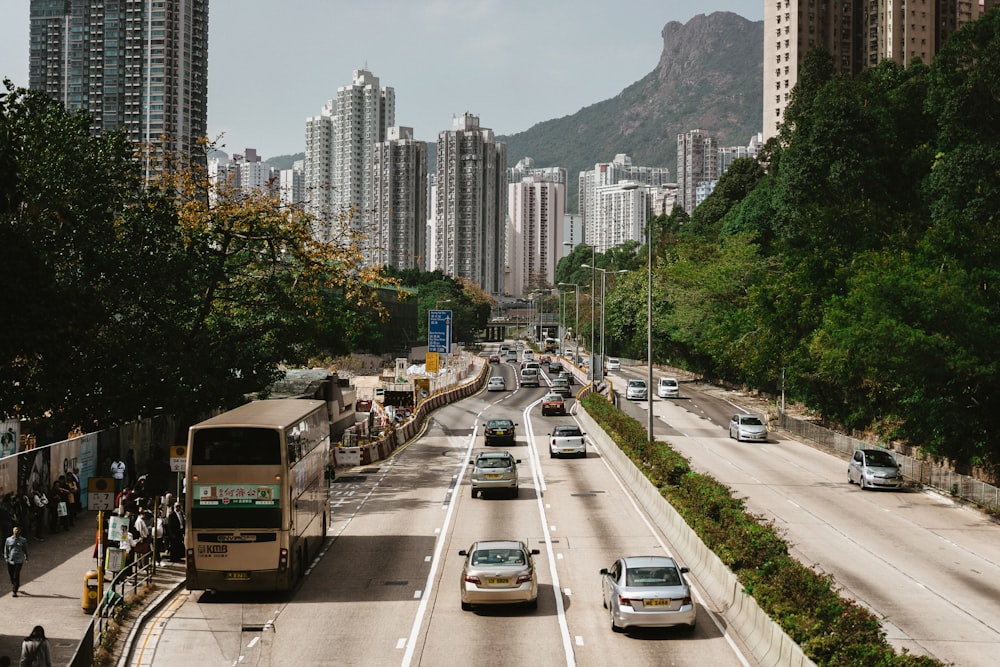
576 331
649 326
604 273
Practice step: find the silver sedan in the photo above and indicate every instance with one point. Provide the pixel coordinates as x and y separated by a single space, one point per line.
647 592
747 427
499 572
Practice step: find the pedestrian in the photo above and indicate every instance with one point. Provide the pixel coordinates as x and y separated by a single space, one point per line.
58 510
175 533
35 649
15 553
72 496
40 507
118 472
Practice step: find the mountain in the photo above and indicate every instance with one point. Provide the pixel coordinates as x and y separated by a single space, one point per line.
709 77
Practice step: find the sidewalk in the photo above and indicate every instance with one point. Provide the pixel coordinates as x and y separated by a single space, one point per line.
52 588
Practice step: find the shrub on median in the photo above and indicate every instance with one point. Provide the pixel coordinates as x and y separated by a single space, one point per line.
833 631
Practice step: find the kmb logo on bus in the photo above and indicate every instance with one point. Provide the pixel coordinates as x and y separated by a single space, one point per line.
205 549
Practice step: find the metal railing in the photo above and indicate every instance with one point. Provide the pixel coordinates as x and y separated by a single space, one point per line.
138 572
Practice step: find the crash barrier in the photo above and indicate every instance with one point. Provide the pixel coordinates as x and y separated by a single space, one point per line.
764 638
928 473
394 435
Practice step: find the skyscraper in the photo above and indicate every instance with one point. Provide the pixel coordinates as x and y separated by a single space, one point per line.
596 213
340 145
400 201
132 64
471 204
537 207
856 33
697 161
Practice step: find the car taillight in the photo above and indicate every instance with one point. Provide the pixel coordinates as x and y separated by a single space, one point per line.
524 579
472 579
628 602
283 560
686 601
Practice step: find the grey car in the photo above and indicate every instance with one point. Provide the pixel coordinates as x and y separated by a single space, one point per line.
747 427
499 572
874 469
647 592
494 470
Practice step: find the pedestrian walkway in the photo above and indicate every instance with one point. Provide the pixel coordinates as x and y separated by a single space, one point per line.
52 589
51 592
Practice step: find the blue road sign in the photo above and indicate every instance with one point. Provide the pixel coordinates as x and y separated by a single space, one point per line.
439 331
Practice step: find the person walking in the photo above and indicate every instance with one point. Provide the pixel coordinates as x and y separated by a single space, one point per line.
40 505
15 553
35 649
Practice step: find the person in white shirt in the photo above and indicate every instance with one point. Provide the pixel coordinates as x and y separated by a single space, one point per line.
118 472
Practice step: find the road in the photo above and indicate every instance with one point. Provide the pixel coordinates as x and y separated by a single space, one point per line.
929 567
385 590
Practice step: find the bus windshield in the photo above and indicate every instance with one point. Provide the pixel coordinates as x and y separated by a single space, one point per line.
236 445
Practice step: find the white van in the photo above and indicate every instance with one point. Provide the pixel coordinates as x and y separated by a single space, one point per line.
668 388
529 377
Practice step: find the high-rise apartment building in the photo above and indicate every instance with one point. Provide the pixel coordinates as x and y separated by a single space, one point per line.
856 33
400 201
624 208
131 64
537 207
340 146
291 185
471 204
596 214
697 161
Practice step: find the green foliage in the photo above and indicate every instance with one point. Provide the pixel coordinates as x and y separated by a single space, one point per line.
832 631
141 297
858 256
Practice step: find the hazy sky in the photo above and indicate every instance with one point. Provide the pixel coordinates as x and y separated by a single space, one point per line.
513 63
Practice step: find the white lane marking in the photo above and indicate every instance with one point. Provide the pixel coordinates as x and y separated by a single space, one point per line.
253 642
579 640
437 558
416 595
536 474
401 643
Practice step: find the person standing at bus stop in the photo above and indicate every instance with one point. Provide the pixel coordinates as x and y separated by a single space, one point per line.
15 553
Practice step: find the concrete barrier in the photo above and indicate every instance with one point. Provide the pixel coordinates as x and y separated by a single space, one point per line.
764 638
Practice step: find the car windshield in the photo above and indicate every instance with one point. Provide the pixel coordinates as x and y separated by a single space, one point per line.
493 462
498 557
751 421
499 423
652 576
880 459
636 384
567 431
669 383
496 380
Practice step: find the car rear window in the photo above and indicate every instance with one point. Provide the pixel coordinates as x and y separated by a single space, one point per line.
652 576
498 557
500 423
566 430
494 462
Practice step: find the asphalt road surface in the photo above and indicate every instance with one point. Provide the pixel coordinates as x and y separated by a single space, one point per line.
385 590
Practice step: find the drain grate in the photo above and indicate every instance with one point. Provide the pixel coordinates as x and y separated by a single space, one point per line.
589 494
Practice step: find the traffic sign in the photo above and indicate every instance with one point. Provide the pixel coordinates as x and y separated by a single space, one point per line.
100 493
178 458
439 331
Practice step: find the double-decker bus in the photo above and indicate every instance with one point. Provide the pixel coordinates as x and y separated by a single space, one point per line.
257 496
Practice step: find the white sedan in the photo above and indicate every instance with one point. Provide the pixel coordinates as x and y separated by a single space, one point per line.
496 383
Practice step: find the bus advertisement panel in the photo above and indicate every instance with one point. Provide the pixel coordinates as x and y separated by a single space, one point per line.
258 498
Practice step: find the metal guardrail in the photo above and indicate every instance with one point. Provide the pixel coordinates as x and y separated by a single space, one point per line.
138 572
917 470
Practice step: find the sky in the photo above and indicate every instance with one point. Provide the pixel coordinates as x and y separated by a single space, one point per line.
513 63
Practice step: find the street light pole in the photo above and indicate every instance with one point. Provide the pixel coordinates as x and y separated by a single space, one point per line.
649 325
